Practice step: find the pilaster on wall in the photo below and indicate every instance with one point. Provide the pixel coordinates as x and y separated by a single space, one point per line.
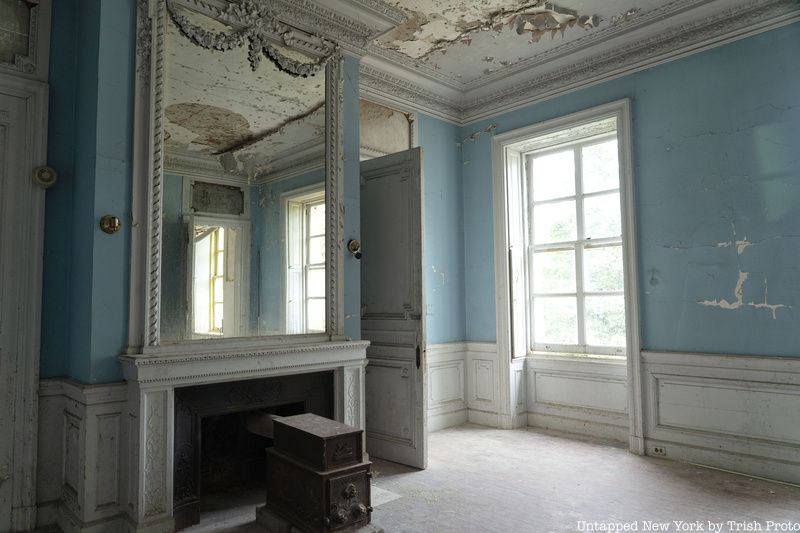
82 437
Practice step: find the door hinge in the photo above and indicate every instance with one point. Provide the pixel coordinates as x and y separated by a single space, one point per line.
418 356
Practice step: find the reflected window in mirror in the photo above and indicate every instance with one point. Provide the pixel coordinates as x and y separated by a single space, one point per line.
305 268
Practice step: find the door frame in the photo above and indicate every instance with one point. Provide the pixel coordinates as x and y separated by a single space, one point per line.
31 211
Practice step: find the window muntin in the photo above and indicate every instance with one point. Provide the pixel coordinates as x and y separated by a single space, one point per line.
574 247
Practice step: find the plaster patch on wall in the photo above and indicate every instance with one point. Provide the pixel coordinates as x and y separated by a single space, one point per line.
488 129
766 305
741 245
738 292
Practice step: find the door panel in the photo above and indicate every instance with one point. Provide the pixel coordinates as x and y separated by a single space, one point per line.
392 303
20 262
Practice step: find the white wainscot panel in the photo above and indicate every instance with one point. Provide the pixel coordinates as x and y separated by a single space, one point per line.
446 383
482 383
447 402
736 408
584 396
734 412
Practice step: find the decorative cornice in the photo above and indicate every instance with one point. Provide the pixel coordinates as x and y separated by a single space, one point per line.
597 35
311 16
677 41
387 86
390 12
199 165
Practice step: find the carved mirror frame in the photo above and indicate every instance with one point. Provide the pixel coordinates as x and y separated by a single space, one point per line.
144 331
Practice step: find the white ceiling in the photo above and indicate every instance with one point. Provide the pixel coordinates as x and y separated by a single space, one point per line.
468 39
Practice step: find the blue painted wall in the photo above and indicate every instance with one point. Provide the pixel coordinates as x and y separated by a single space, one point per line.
86 272
269 240
443 269
716 138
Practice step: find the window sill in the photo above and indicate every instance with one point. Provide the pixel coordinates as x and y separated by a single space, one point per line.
587 357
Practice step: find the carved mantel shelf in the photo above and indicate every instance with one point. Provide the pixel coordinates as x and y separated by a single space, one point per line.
211 366
153 377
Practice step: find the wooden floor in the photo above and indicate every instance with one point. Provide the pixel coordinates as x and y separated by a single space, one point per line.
487 480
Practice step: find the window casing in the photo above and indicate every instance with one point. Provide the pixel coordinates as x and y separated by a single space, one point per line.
566 266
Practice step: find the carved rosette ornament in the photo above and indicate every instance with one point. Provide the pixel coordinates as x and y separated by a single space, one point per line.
259 27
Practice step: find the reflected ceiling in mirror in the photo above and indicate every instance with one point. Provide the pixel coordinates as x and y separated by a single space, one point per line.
243 214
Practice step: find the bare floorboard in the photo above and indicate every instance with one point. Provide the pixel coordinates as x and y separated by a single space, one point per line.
487 480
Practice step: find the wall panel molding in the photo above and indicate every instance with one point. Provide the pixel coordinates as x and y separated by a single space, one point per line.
82 432
733 412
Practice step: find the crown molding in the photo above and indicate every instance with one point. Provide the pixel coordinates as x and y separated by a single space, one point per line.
678 41
194 164
597 36
404 84
397 90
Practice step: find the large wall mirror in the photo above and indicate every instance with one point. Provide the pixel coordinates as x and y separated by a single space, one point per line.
246 203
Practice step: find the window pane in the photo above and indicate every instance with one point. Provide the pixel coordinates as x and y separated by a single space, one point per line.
218 312
554 222
316 283
600 167
605 320
218 289
601 216
554 272
316 315
555 320
553 175
316 220
316 250
603 269
220 263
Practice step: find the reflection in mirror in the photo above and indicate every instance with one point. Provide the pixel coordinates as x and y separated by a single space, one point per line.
243 214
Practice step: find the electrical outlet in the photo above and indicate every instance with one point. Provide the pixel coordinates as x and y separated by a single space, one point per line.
659 450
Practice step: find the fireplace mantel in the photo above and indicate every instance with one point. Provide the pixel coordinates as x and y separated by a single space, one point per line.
153 377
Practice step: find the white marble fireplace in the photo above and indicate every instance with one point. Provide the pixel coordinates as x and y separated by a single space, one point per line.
152 380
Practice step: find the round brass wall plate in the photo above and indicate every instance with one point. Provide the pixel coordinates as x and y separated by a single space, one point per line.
44 176
110 224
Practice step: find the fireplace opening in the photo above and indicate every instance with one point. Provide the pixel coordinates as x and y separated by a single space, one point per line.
232 453
222 432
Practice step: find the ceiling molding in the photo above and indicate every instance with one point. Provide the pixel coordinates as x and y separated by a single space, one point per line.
201 165
378 85
729 25
404 84
594 37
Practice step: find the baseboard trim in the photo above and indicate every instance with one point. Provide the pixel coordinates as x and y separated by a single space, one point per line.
580 427
441 421
69 523
483 418
762 467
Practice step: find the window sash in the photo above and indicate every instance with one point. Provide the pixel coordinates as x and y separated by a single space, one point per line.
578 246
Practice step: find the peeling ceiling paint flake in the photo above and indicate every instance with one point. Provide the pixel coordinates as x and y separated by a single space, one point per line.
434 27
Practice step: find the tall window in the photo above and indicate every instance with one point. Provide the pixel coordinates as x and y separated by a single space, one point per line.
566 241
305 281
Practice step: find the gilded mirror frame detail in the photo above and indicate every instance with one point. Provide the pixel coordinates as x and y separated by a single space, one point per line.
149 157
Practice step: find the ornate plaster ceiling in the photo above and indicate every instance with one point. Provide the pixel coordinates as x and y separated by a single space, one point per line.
218 105
469 55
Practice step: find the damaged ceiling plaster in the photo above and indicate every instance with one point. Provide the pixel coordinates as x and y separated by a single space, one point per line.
433 27
219 106
448 35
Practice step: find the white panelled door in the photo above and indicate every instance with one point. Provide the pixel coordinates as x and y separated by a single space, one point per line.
392 307
22 134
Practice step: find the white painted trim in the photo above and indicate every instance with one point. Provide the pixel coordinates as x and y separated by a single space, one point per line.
621 111
28 211
149 159
750 418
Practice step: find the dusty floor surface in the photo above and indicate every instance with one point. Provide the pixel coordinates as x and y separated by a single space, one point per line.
488 480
